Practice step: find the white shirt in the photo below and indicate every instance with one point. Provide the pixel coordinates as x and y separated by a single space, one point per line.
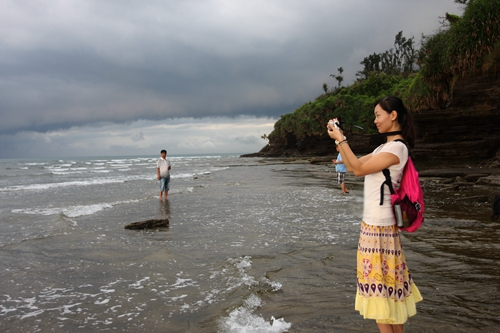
163 164
373 212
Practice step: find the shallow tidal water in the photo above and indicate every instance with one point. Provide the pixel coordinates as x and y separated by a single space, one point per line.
249 240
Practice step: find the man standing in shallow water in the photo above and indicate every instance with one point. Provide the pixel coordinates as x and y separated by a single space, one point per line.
163 174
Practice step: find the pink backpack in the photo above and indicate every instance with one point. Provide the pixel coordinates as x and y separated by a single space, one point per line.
408 200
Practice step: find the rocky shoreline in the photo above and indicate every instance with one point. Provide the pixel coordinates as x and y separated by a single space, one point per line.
465 133
448 175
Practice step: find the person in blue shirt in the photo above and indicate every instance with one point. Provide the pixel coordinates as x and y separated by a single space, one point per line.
341 170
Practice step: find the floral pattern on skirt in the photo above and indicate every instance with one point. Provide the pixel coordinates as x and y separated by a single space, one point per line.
385 289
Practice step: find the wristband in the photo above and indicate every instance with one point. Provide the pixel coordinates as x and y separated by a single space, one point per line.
342 142
337 142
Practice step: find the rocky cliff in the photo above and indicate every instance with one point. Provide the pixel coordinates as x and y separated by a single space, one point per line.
467 132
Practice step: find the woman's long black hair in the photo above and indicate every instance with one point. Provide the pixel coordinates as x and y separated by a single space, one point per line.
405 118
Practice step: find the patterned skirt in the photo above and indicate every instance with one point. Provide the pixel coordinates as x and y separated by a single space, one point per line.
385 289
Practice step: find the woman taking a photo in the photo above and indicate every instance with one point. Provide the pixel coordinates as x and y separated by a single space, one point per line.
385 289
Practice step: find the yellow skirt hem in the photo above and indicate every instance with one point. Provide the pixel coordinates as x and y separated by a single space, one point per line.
388 311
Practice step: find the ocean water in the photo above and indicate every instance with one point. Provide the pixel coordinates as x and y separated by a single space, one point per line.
254 245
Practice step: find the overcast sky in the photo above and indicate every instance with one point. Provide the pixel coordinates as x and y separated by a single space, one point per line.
123 77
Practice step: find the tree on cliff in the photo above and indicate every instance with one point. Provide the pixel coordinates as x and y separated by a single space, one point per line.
338 77
400 60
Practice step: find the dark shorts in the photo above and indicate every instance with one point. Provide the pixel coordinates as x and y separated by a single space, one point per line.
164 184
340 177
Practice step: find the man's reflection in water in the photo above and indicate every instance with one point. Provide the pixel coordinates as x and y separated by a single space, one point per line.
164 209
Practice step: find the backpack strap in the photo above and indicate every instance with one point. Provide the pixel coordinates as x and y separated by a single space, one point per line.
388 180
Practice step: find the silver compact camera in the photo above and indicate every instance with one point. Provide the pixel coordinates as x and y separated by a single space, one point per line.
335 123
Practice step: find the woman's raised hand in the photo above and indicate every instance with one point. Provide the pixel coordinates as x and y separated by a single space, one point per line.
333 131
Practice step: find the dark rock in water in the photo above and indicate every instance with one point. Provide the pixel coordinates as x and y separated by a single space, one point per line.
148 224
475 177
463 173
451 188
476 198
321 160
492 180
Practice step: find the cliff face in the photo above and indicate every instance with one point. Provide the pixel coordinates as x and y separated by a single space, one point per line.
466 132
469 129
314 146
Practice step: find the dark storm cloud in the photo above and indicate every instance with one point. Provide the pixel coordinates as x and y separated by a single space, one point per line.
76 63
46 89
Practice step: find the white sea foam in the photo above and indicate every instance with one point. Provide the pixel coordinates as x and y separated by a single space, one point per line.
244 320
77 183
62 184
219 169
183 283
120 165
192 158
72 211
241 264
104 301
139 284
35 163
198 173
32 314
68 172
58 170
242 278
184 175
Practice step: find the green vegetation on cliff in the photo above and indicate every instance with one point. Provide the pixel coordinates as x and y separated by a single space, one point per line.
469 45
354 104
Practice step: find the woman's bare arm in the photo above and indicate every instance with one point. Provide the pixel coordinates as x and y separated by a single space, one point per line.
367 164
362 159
